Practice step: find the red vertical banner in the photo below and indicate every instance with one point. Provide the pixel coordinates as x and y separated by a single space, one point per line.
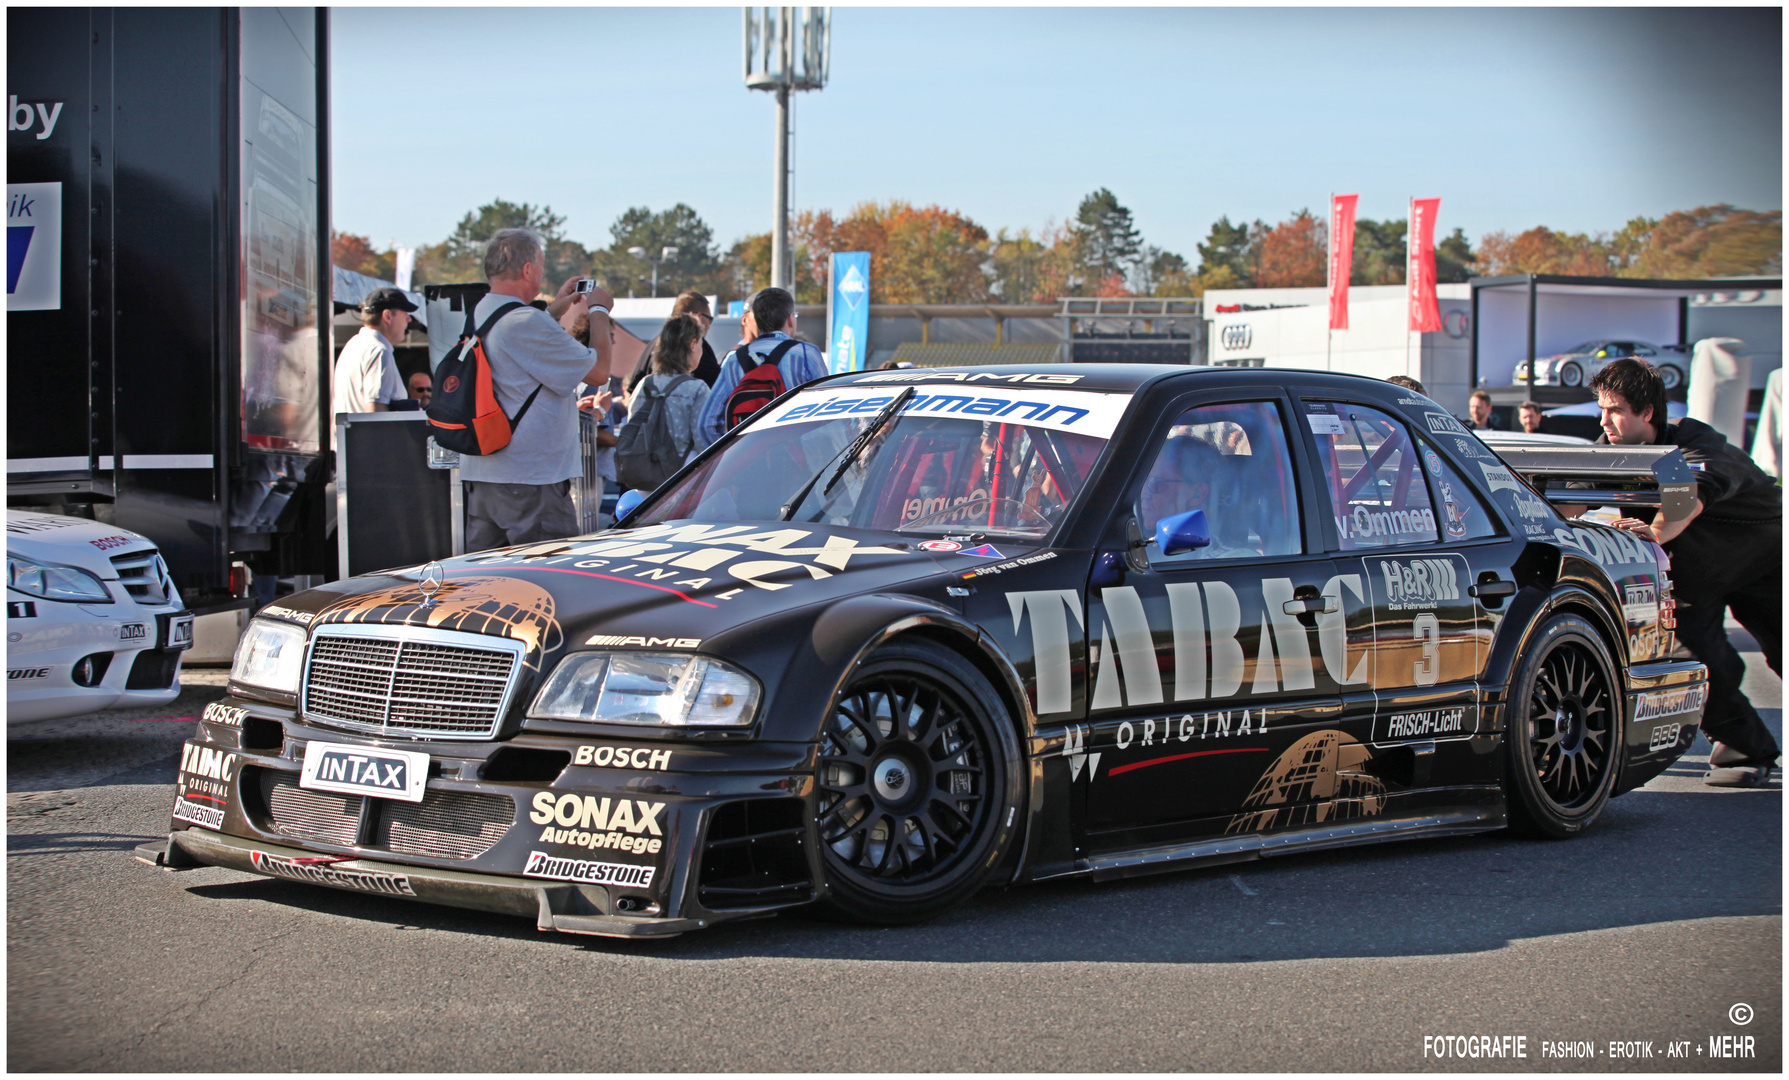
1341 257
1419 269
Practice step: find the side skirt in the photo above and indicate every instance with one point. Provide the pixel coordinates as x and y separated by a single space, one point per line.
1420 825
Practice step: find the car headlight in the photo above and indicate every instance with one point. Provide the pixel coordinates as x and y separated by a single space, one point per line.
52 581
270 656
662 689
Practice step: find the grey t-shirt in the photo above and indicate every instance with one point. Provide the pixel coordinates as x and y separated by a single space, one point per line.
528 348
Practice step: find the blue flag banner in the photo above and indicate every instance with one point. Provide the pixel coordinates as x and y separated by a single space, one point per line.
850 311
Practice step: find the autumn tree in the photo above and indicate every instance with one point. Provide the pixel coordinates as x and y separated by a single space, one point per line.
1294 253
1707 242
352 252
1541 250
1027 269
918 255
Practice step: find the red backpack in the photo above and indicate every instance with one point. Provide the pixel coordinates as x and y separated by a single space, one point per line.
760 383
464 414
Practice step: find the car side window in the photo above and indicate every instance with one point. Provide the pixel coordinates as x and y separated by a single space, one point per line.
1232 462
1461 512
1376 487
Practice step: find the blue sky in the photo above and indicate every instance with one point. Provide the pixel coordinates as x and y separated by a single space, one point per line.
1577 119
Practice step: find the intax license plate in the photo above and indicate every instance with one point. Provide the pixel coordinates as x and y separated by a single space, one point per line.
180 633
364 770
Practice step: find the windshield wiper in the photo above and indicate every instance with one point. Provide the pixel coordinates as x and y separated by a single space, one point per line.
851 452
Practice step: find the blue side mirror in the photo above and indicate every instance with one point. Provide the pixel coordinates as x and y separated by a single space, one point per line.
1178 533
627 503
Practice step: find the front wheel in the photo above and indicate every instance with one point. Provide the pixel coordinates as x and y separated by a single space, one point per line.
1671 375
1571 375
917 785
1565 731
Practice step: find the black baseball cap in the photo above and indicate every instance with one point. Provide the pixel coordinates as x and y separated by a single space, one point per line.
386 299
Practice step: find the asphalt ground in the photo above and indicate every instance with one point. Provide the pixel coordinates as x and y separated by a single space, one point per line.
1646 933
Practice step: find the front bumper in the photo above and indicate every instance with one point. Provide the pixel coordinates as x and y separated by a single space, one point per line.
46 639
664 838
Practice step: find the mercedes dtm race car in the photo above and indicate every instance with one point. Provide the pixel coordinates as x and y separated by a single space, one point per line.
909 633
92 619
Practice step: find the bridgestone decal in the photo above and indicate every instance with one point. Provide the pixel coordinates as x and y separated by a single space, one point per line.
211 817
363 880
584 872
1659 703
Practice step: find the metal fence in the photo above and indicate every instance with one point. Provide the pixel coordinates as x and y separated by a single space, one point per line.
587 489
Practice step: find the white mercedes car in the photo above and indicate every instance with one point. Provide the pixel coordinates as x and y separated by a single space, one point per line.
1579 364
93 620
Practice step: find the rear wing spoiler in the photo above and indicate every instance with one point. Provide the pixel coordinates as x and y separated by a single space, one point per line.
1649 476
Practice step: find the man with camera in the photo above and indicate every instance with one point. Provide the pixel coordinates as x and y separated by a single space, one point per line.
522 493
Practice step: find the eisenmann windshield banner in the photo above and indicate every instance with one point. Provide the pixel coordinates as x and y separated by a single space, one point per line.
1078 411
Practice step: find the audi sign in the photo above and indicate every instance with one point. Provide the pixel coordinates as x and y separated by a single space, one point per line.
1235 336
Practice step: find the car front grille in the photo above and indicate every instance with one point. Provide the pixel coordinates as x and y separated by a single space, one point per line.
327 816
405 681
444 825
144 576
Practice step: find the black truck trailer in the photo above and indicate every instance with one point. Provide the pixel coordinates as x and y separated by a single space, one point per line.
167 278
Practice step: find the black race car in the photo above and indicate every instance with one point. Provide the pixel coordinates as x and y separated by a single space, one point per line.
910 633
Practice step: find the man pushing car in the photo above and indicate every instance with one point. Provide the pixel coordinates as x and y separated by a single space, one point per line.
1727 554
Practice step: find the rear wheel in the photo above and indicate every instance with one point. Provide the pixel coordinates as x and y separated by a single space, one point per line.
1571 375
918 780
1671 375
1565 731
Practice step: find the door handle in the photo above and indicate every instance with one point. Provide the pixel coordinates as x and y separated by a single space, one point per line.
1320 605
1492 588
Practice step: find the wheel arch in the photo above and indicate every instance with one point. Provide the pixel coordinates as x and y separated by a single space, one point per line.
874 620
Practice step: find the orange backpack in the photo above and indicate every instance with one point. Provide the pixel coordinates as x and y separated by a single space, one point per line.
463 411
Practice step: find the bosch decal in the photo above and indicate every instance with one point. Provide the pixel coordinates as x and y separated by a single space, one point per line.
106 543
229 715
622 757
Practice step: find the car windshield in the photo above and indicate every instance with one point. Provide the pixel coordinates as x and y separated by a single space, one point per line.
952 458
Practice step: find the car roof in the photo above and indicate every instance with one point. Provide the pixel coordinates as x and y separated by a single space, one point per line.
1113 378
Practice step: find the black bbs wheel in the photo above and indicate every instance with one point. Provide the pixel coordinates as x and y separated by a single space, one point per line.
918 781
1565 731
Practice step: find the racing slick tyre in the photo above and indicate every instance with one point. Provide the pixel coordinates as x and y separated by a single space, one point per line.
1571 375
917 788
1671 375
1565 731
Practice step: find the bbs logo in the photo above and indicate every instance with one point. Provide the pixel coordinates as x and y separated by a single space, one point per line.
1236 336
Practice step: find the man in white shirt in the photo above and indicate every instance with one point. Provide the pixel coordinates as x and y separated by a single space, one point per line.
366 373
522 493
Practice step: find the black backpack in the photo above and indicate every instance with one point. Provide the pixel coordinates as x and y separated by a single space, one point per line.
644 454
464 413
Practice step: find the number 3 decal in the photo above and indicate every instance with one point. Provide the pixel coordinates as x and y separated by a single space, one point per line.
1427 629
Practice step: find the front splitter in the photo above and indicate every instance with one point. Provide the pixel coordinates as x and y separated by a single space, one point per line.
566 908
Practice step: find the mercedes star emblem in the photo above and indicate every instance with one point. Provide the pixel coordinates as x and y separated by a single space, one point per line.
432 577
